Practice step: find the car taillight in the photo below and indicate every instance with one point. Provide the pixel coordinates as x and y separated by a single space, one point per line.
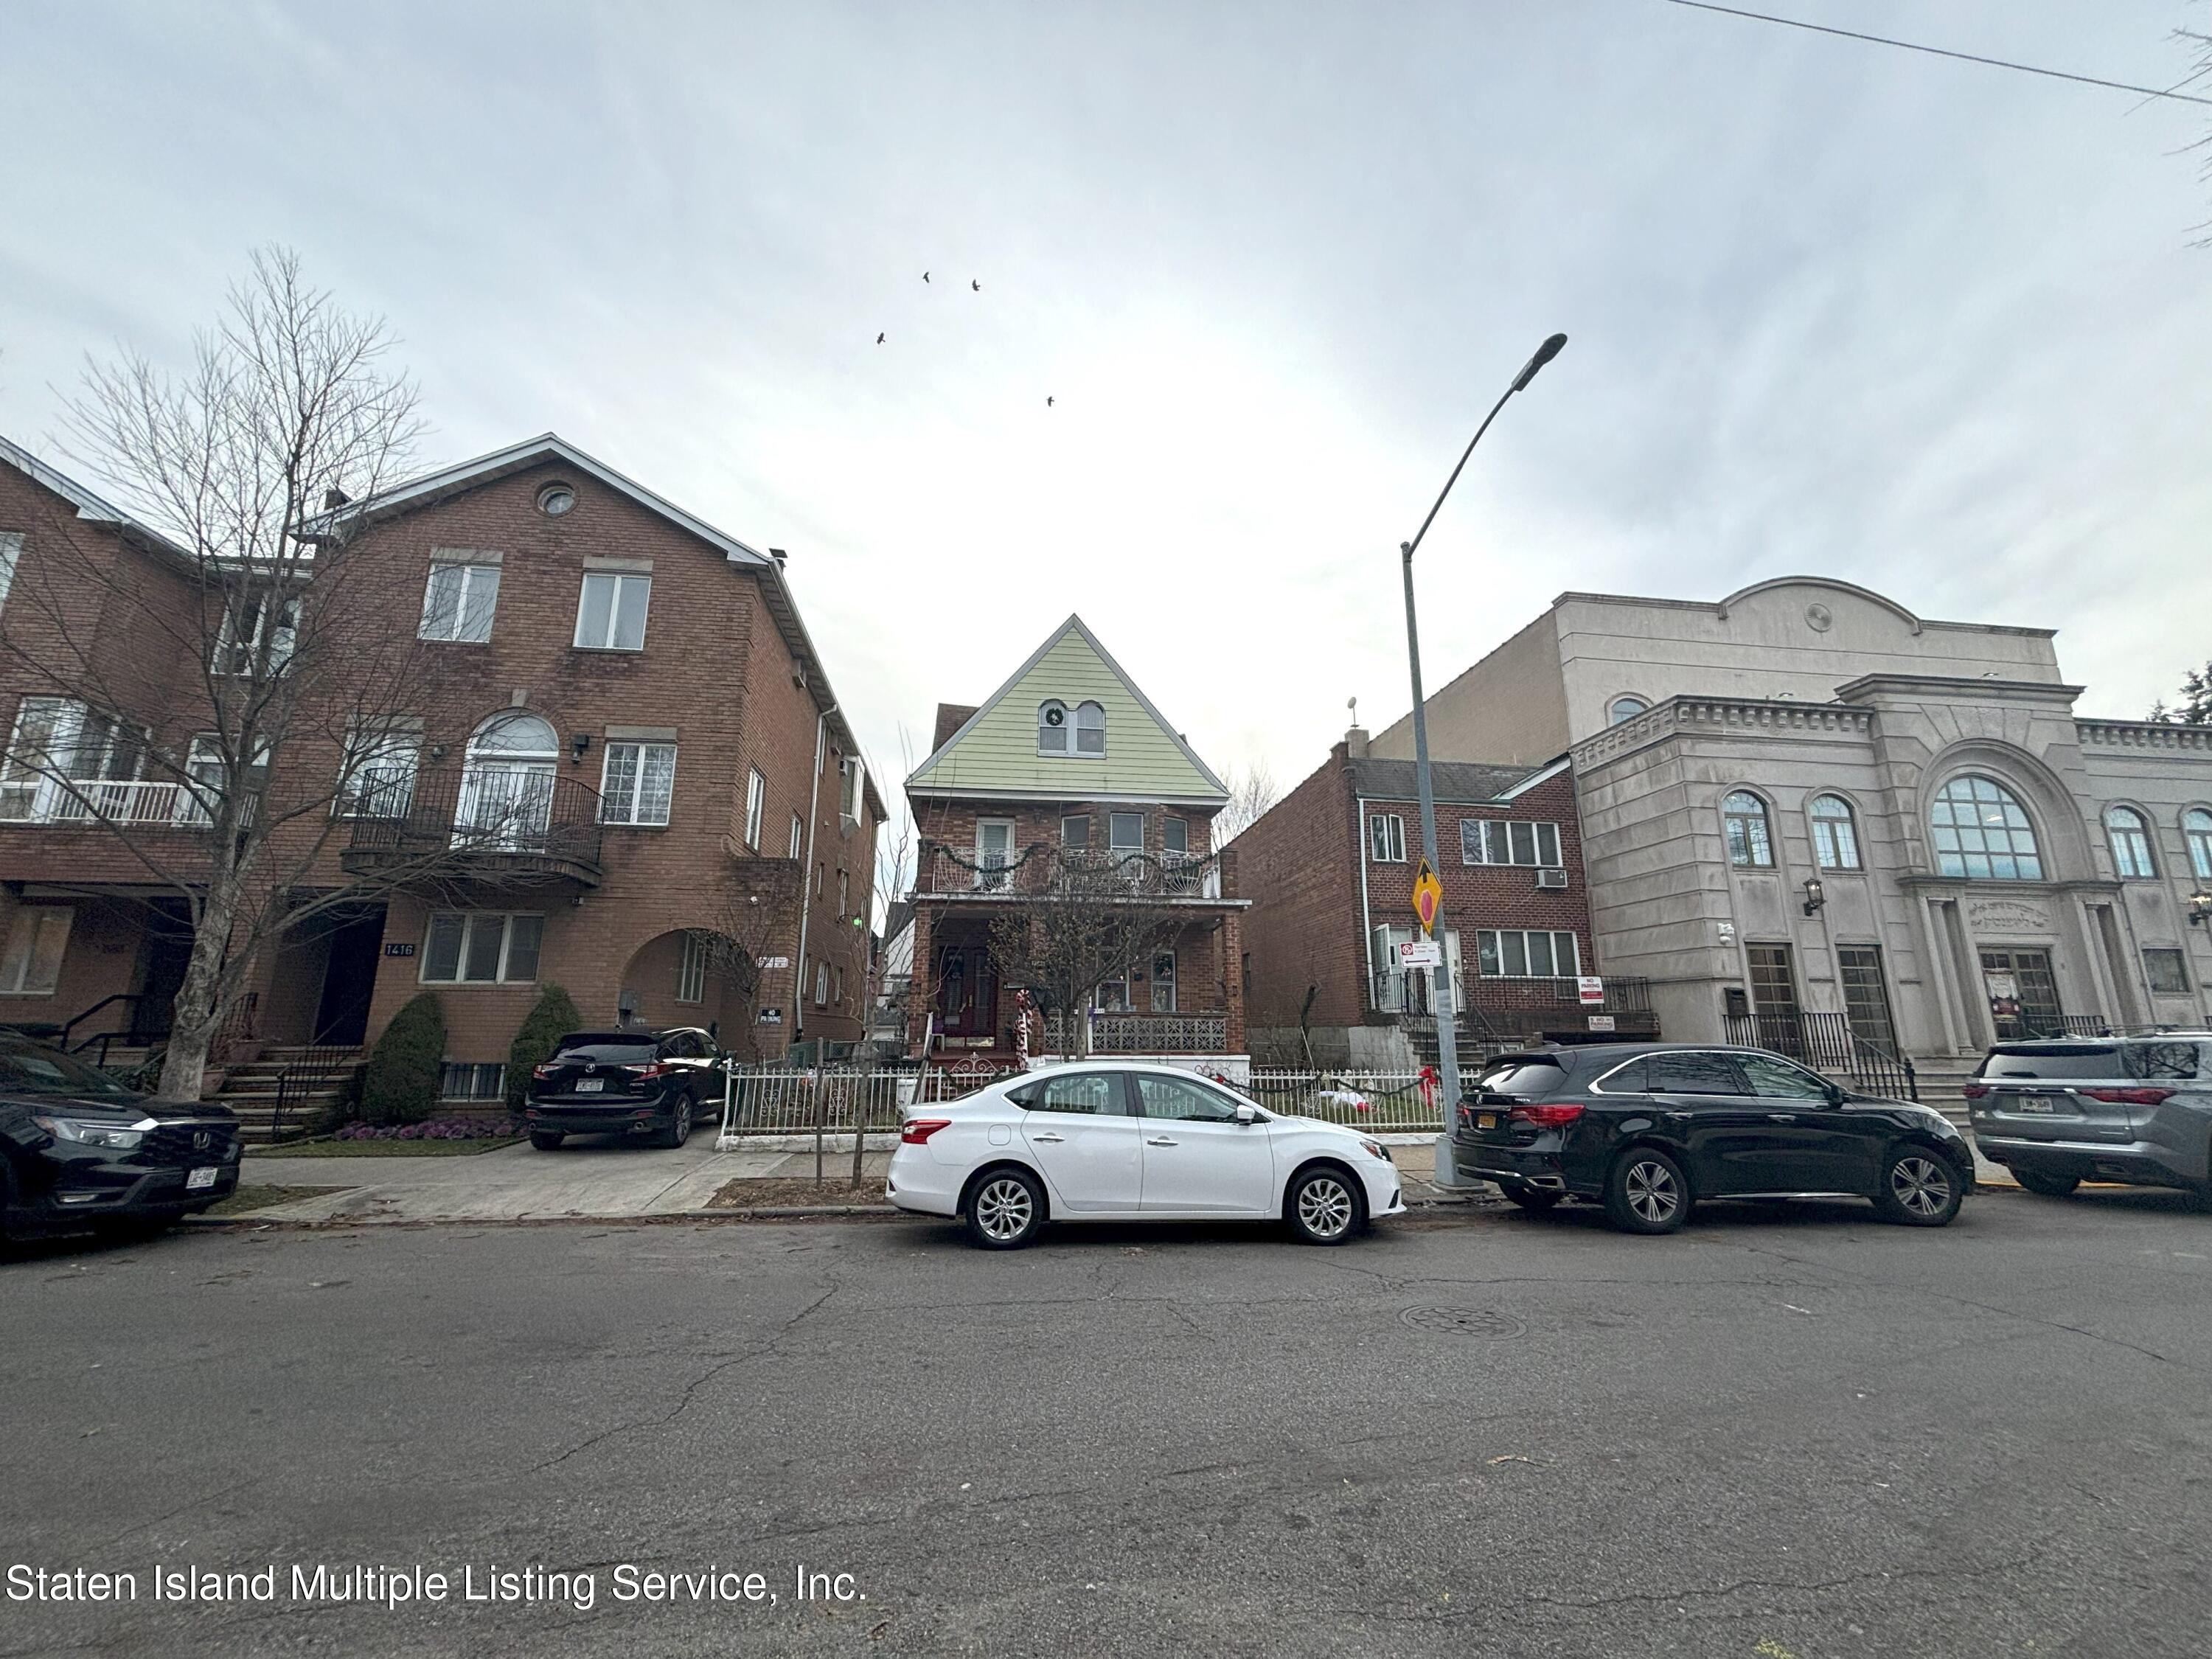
2129 1097
655 1069
1549 1116
918 1130
1976 1091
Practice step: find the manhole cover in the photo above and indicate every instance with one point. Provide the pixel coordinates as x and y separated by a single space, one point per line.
1464 1321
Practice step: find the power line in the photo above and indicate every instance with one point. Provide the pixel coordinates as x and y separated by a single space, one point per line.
1939 51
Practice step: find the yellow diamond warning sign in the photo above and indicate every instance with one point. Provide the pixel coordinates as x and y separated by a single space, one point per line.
1428 896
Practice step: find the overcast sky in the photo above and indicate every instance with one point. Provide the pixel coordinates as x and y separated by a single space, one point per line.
1931 327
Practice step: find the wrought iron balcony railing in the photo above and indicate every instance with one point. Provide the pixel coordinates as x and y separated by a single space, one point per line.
485 822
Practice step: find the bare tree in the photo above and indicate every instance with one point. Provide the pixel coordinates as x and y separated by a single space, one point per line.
1074 920
220 689
1252 791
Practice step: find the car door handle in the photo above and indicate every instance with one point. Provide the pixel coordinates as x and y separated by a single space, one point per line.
1782 1117
1054 1139
1161 1140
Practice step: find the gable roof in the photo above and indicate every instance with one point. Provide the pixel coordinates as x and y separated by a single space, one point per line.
91 507
993 753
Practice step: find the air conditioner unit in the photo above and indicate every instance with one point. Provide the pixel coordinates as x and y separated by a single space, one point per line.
1552 879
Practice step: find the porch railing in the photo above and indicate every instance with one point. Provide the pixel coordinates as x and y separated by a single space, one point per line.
1043 871
1825 1042
1408 990
479 817
136 801
1140 1032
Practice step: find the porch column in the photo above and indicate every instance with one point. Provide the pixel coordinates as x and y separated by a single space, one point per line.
1231 937
920 982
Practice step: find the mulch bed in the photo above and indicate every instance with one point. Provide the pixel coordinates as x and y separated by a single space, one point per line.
798 1189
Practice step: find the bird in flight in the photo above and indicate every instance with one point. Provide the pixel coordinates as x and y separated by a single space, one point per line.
977 285
879 339
925 276
1048 403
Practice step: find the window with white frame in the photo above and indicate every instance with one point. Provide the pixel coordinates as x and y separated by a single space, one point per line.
458 601
465 1079
1835 833
844 895
1508 841
37 942
822 984
11 548
611 610
376 777
755 799
263 615
850 788
1512 953
2129 832
636 781
691 969
1089 728
1052 727
798 835
208 780
481 947
59 747
1386 838
839 990
1125 835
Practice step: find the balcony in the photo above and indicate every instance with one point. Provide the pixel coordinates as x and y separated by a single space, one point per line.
491 825
136 803
1138 1031
1046 873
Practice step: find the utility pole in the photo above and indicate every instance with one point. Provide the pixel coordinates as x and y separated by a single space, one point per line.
1447 1023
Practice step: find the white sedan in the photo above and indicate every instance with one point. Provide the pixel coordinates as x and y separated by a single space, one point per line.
1116 1141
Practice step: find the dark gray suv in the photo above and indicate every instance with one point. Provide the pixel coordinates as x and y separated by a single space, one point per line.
2133 1110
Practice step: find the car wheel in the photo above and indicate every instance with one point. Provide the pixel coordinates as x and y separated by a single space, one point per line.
1004 1210
2048 1186
1325 1207
679 1127
546 1140
1534 1200
1647 1192
1919 1188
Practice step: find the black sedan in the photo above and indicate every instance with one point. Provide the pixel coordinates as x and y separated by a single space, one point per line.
1647 1129
78 1150
654 1084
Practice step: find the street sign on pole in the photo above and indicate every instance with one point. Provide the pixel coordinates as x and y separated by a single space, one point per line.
1420 953
1428 896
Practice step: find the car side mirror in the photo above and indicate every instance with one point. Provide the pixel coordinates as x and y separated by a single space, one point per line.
1837 1094
1247 1114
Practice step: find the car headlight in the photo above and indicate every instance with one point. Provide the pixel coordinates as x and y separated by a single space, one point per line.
91 1134
1373 1149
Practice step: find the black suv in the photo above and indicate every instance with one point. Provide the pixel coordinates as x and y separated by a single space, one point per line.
1647 1129
628 1083
79 1150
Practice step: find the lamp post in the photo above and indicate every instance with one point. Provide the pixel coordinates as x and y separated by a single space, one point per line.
1447 1025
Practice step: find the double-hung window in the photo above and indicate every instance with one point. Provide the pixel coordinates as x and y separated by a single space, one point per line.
1508 841
637 782
481 947
1386 838
261 615
756 799
459 599
798 834
691 969
611 611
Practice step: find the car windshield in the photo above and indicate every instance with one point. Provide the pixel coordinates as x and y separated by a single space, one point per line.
27 1069
609 1051
2054 1060
1522 1077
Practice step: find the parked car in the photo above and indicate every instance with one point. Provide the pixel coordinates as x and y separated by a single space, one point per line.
2136 1110
1647 1129
649 1084
78 1149
1119 1140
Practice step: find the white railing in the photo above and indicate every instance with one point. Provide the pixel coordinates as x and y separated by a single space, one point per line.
94 801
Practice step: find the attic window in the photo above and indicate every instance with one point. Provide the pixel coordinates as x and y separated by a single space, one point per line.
1090 729
1052 728
555 500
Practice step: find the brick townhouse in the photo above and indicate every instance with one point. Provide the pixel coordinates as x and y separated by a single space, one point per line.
688 828
1065 772
1331 869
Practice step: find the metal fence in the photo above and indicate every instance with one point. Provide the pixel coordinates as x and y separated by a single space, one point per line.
776 1100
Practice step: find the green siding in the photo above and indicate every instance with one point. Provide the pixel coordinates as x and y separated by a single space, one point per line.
999 752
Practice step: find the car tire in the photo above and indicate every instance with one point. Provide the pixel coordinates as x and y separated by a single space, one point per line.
2046 1185
546 1140
1537 1201
679 1125
1325 1206
1003 1209
1647 1192
1919 1188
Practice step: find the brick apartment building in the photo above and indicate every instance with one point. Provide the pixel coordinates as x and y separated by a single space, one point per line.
687 800
1330 868
1068 767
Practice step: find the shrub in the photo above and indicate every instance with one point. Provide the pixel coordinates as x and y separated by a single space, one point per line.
544 1026
401 1084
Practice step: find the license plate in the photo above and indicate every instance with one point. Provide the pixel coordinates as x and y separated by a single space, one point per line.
590 1085
1486 1120
2030 1103
199 1178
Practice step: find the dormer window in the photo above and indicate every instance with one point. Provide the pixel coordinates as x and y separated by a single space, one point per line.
1052 728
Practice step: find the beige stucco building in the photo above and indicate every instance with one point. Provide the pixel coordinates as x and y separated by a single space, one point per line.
1809 815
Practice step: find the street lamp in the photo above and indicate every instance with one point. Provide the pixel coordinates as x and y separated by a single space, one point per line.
1447 1023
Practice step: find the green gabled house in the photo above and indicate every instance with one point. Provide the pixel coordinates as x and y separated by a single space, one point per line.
1067 794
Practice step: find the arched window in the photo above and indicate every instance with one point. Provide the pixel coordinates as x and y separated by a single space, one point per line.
1052 728
1835 835
1089 728
2130 835
1750 847
2196 830
513 733
506 802
1983 833
1625 708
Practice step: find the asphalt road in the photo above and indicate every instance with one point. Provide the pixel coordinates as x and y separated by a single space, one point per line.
1797 1433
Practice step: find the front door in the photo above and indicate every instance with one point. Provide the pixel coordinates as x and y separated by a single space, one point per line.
349 979
166 953
2023 994
967 991
1198 1158
1078 1127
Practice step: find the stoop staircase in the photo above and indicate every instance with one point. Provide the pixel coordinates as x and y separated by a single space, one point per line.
308 1082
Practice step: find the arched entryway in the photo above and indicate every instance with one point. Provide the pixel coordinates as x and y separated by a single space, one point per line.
694 976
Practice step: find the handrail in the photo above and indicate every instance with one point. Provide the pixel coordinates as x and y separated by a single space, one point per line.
1824 1039
70 1025
316 1064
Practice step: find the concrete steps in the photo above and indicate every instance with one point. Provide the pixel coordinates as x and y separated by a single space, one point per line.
319 1082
